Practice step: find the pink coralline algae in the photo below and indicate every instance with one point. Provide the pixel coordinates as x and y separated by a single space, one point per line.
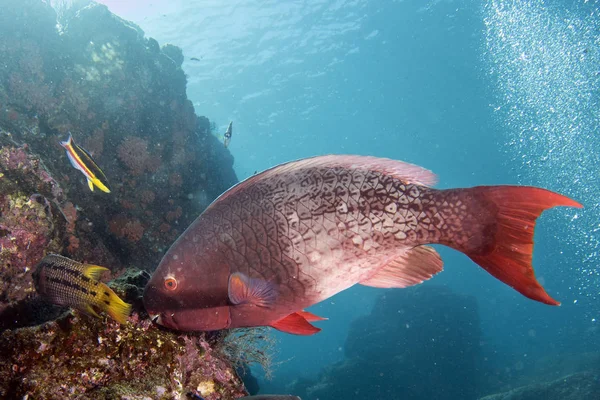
133 152
97 359
30 223
130 229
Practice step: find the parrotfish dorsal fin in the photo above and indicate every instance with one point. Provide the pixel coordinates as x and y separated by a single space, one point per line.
414 266
406 172
93 271
296 324
245 290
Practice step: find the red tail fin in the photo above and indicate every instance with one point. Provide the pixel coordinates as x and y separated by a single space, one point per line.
508 258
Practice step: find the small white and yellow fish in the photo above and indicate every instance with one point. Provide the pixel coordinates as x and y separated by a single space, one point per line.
82 160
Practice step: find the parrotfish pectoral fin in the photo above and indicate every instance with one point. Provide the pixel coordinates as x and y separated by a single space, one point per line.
508 252
90 184
93 271
412 267
245 290
295 324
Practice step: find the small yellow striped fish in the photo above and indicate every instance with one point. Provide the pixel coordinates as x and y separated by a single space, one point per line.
68 283
82 161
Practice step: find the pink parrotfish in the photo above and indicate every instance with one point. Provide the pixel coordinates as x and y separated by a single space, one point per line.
299 233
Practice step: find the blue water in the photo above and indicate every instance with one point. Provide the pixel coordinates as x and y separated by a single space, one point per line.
480 92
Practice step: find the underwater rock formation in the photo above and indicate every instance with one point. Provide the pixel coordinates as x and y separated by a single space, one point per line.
123 98
79 357
418 343
580 386
31 222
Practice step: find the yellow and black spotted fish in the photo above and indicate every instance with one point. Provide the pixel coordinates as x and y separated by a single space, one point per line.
68 283
82 160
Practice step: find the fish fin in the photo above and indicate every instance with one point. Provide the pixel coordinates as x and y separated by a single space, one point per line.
93 271
88 309
100 185
310 317
100 179
412 267
114 306
508 252
90 184
295 324
245 290
405 172
68 142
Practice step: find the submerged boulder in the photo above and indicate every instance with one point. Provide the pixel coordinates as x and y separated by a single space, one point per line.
418 343
580 386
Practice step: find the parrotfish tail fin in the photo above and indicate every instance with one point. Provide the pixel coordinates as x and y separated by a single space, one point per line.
114 306
507 252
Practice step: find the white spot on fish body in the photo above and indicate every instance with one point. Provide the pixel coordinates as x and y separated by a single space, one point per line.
400 235
342 208
175 257
388 222
314 257
391 208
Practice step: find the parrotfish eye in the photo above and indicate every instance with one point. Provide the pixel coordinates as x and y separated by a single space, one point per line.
170 283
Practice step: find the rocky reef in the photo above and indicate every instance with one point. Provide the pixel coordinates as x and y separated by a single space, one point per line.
87 358
580 386
123 97
82 70
556 376
418 343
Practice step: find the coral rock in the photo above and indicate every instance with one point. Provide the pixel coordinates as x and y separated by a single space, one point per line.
80 357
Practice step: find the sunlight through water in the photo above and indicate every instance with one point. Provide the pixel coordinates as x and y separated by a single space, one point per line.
545 62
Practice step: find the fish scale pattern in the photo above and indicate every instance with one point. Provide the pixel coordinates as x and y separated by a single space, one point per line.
318 230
